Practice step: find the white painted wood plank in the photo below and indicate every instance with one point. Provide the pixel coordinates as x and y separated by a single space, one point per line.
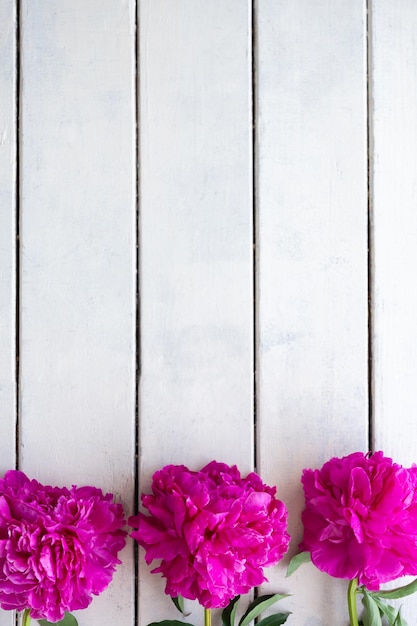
196 391
394 121
312 260
395 227
78 257
7 234
7 245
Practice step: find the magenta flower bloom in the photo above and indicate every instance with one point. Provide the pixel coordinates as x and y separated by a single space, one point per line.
213 531
360 518
58 547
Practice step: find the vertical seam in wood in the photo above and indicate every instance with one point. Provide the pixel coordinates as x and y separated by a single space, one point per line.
369 146
137 313
254 229
253 56
17 235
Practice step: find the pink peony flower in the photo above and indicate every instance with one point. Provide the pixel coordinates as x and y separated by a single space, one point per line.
360 518
58 547
213 530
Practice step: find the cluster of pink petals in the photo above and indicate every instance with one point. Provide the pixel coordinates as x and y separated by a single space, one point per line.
57 546
360 518
213 531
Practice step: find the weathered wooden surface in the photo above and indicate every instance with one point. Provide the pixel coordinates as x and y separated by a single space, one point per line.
312 259
78 254
7 234
247 301
196 390
394 217
394 233
7 243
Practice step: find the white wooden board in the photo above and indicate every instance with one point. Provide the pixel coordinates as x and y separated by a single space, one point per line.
197 328
312 260
7 244
7 235
78 257
394 122
395 227
196 391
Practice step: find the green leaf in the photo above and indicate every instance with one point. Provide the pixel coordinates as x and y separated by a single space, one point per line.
229 612
259 605
274 620
400 621
296 561
372 616
169 622
390 612
399 592
179 603
69 620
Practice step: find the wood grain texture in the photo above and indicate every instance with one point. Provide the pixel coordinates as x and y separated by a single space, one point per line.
78 257
394 219
78 252
7 245
196 390
312 260
395 227
7 235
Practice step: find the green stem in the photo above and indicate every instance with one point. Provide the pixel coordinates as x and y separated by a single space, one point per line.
353 613
26 618
398 592
207 617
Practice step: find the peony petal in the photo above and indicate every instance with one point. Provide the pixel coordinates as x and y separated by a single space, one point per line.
361 518
61 545
231 527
